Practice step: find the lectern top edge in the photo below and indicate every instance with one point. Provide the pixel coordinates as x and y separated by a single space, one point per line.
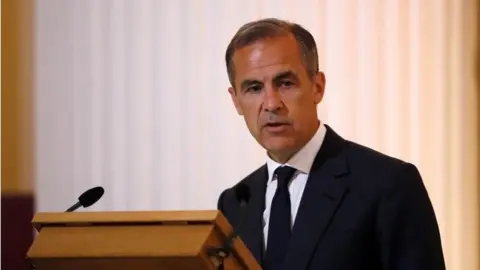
42 219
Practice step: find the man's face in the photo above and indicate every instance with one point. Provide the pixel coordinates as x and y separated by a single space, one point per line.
276 96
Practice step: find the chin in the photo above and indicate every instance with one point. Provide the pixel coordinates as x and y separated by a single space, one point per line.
278 145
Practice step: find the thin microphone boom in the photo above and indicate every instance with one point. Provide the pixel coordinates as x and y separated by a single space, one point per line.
74 207
242 193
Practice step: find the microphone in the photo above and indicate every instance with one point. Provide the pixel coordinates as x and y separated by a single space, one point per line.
87 198
242 194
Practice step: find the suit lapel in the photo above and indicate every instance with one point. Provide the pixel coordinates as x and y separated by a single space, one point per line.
253 233
322 196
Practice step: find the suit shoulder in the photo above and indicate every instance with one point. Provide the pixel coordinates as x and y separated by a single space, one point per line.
227 202
253 176
373 166
248 180
361 155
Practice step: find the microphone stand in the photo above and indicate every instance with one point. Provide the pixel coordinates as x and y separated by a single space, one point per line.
220 254
223 252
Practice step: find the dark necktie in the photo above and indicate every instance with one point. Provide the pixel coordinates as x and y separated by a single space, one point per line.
280 221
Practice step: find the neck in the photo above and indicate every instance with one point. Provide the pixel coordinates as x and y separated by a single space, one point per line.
283 157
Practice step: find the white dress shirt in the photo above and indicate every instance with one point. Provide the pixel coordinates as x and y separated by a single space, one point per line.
302 161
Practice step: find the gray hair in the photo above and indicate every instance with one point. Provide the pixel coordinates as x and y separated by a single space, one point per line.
269 28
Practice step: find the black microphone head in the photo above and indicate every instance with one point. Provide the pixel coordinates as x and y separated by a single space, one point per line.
242 192
91 196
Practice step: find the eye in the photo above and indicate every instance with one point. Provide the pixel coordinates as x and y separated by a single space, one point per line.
287 84
253 89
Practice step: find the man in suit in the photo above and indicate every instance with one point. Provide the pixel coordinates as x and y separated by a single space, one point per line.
320 201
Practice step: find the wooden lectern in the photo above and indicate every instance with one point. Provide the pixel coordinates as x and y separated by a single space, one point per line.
135 240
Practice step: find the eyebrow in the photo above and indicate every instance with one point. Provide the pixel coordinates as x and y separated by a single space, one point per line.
280 76
247 83
285 75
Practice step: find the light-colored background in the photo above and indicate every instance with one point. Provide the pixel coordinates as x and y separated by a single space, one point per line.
132 95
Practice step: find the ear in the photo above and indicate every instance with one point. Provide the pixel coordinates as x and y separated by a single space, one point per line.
234 97
319 87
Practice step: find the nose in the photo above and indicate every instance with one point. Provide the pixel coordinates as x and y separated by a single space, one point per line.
272 100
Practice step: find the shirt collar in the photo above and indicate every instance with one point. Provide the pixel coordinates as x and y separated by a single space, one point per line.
303 159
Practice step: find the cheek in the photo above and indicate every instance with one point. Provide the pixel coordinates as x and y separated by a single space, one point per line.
301 108
252 119
250 112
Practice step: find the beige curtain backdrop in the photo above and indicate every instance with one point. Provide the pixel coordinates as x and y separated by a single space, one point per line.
132 95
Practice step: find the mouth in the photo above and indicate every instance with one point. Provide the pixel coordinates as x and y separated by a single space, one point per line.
276 127
275 124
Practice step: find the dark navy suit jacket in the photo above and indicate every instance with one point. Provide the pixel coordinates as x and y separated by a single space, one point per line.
360 210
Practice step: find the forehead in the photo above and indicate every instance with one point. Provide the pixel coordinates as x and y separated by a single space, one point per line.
264 58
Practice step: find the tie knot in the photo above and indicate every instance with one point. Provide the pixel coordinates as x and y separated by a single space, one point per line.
284 174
